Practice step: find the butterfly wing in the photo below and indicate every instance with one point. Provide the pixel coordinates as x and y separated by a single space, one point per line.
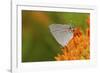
61 33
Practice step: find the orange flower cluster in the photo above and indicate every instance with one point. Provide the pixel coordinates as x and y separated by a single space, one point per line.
78 47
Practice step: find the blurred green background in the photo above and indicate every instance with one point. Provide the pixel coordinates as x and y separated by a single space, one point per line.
38 44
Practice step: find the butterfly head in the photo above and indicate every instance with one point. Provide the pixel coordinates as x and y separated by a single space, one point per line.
71 28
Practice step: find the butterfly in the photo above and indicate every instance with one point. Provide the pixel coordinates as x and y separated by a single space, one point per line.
62 33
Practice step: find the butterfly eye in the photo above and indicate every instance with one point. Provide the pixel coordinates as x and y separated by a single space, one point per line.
70 27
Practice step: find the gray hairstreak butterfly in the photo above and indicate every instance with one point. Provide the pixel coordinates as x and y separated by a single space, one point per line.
62 33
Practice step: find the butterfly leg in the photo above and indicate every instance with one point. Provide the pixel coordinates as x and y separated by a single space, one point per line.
66 48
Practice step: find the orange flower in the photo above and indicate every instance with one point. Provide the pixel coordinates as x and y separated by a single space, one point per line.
77 48
88 32
88 21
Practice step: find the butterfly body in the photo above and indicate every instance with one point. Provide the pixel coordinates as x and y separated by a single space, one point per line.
62 33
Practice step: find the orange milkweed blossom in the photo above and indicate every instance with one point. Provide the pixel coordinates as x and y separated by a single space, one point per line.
88 21
78 47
